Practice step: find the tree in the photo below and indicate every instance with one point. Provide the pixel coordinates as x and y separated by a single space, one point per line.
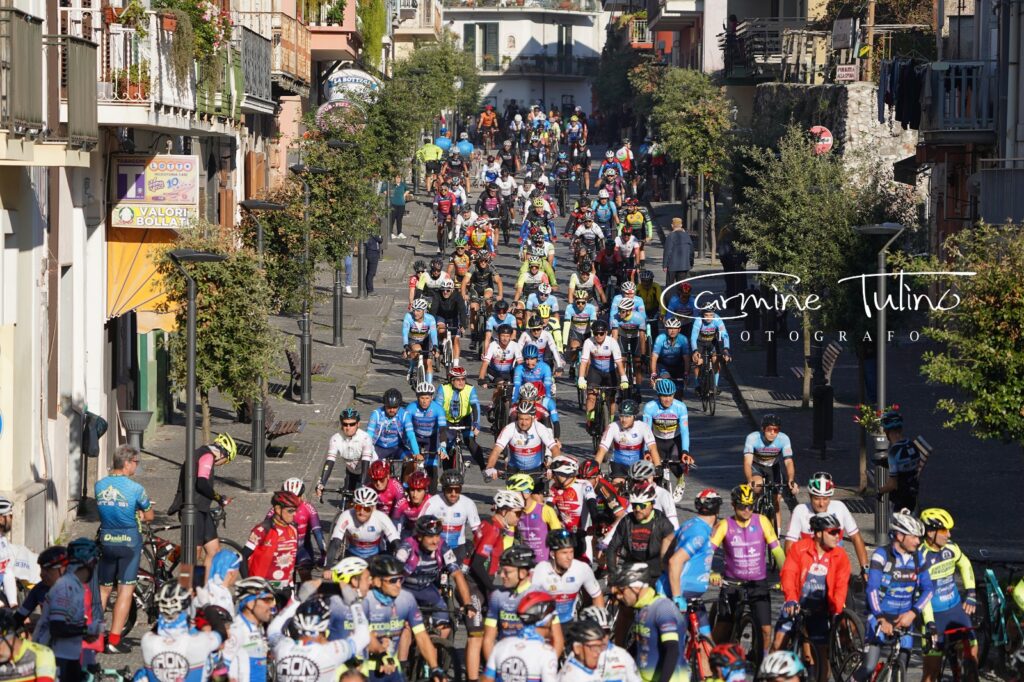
693 118
374 17
234 340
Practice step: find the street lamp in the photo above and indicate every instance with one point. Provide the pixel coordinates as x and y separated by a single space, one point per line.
301 170
188 516
259 433
893 231
338 306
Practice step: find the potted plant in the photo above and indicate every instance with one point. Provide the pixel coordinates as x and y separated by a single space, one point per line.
134 16
168 22
488 62
132 83
336 14
506 61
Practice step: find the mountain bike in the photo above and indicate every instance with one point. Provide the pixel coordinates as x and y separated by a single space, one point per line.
999 629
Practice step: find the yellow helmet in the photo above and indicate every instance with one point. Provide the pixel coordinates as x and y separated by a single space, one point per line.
1018 595
227 446
520 483
348 568
743 495
544 311
935 518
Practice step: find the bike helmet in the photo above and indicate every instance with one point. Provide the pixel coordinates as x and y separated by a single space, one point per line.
385 566
508 143
598 615
581 296
456 372
906 523
379 470
665 387
586 630
935 518
6 506
227 446
603 194
427 525
348 568
252 588
742 495
312 618
628 288
725 656
599 327
626 305
447 286
781 664
641 470
420 304
643 493
892 420
646 276
425 388
172 599
562 156
518 119
349 413
708 501
538 203
83 551
526 407
542 180
534 325
609 154
294 485
535 607
531 352
520 483
528 392
508 499
501 306
452 479
559 539
590 469
10 623
610 173
461 243
419 481
518 556
365 497
544 288
436 264
821 485
673 323
824 521
629 408
283 498
630 575
770 420
53 557
564 466
544 311
392 398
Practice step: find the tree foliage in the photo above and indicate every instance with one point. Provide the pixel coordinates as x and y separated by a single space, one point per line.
373 14
612 87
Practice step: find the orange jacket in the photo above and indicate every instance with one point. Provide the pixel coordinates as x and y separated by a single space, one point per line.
801 557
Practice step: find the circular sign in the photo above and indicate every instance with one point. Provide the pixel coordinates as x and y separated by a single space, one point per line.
822 139
346 83
338 114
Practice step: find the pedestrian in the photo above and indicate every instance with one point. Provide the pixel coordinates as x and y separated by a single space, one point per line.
372 248
400 194
348 270
678 258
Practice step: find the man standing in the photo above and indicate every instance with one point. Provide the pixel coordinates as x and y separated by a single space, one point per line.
372 247
903 463
678 253
400 194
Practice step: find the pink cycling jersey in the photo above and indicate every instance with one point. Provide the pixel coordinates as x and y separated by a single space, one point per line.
389 498
405 514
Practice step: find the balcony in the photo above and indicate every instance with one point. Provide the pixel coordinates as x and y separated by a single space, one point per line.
333 29
21 73
79 119
586 6
961 108
421 18
257 93
1001 201
757 50
673 15
290 45
640 35
538 65
218 92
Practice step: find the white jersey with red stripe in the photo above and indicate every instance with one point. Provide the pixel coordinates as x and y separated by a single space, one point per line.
627 445
565 587
569 502
503 359
522 659
459 521
364 538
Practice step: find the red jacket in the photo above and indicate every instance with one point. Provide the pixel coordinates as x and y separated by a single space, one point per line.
799 560
273 551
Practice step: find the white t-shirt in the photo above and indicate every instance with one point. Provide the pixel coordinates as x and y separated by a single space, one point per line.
455 518
800 523
353 451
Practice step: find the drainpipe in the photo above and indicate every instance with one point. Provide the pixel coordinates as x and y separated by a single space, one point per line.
1012 76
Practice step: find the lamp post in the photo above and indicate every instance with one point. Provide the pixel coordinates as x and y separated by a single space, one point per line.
338 297
301 170
257 482
893 231
188 511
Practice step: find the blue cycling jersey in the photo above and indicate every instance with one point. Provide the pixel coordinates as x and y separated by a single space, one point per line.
694 538
679 306
534 300
942 564
636 318
668 422
539 374
389 432
119 500
897 582
709 331
388 616
609 165
671 351
427 422
579 318
415 332
638 307
658 621
501 609
493 322
603 213
765 452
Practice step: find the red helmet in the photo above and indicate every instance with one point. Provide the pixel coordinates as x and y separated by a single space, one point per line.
419 481
686 287
283 498
489 107
589 469
457 372
728 654
379 470
535 607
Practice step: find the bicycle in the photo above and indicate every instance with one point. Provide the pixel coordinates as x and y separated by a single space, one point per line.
744 630
845 639
798 641
706 385
698 646
891 668
957 660
670 483
764 504
108 675
456 459
417 373
499 410
563 195
630 355
447 355
447 655
602 413
999 629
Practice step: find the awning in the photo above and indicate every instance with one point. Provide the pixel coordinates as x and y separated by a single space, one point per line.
132 281
906 170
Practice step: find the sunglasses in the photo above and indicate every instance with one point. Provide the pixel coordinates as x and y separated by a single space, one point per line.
361 507
267 598
641 505
453 489
394 580
350 425
600 333
834 531
743 506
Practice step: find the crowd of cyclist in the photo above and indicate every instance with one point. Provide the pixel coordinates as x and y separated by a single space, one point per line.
588 568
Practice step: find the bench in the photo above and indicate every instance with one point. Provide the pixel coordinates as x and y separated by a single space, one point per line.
295 368
829 357
275 427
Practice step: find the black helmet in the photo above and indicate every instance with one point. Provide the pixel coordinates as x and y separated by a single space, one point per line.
492 187
452 479
501 306
628 574
559 539
599 326
52 557
419 266
824 521
504 329
392 398
629 408
587 630
428 525
385 566
771 420
436 264
10 624
519 556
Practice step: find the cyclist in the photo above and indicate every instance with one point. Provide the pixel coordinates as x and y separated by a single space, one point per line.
480 284
670 357
273 544
629 294
644 535
624 155
745 537
459 518
642 473
419 269
821 489
609 264
782 666
354 447
629 326
419 335
606 214
430 155
542 297
532 370
391 435
943 559
585 279
123 506
445 205
529 443
465 222
500 316
546 410
710 336
502 618
579 155
389 490
814 581
587 237
480 237
599 664
307 655
541 217
174 649
509 159
639 219
680 303
575 500
221 451
564 577
903 463
667 418
689 564
410 507
527 655
537 247
462 408
499 361
611 504
630 253
765 453
650 292
601 355
362 528
539 518
449 311
657 626
430 282
609 163
431 428
53 563
578 317
628 440
65 622
529 281
553 326
615 186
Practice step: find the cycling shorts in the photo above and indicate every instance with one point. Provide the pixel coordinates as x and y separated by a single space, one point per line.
430 601
669 449
596 377
576 335
396 452
675 371
771 473
619 470
494 375
433 167
425 346
951 619
760 601
452 323
119 563
206 527
707 347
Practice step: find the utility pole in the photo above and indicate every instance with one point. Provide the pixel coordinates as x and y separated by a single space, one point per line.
869 38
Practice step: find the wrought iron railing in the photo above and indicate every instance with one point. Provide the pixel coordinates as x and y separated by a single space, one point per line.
519 5
289 39
539 65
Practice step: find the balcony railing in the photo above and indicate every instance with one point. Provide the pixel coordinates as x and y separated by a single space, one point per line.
320 13
1001 200
289 40
638 32
218 91
78 89
256 60
755 49
962 97
21 72
558 5
540 65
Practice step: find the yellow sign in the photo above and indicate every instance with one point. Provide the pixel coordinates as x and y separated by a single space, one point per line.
160 192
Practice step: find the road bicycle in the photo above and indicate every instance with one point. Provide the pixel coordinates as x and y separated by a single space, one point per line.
630 340
671 484
706 384
764 504
698 646
890 668
498 414
456 458
999 629
602 413
846 640
958 664
562 190
447 653
743 629
447 355
417 373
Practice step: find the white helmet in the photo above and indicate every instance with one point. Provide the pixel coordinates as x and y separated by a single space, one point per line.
420 304
544 288
463 136
603 194
528 392
447 285
312 618
781 664
641 470
172 599
905 522
599 615
626 304
519 118
425 387
642 494
294 485
6 506
508 499
673 323
565 466
821 485
609 154
365 497
628 288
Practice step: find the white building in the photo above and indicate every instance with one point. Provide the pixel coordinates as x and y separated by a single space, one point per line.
532 51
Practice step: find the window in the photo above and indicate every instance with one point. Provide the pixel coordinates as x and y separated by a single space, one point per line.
469 38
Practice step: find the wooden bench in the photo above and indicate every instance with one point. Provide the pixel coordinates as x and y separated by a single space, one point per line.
275 427
295 368
829 357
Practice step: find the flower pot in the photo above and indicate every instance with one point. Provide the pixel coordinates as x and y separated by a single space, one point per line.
168 22
135 91
109 15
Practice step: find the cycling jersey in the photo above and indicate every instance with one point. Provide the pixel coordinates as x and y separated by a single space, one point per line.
296 661
178 654
745 546
800 521
388 616
389 498
65 602
527 658
601 357
636 321
565 587
651 296
627 445
445 203
536 520
671 351
502 359
614 665
609 165
571 503
709 332
387 432
423 569
426 422
354 450
461 264
635 541
451 310
540 376
488 204
527 449
694 538
580 157
942 565
481 280
657 623
364 540
491 541
415 331
34 663
246 651
481 239
506 186
638 304
274 546
627 247
493 322
459 521
766 453
681 306
119 501
405 514
604 213
816 580
589 235
533 302
587 284
668 422
580 319
897 583
501 609
664 503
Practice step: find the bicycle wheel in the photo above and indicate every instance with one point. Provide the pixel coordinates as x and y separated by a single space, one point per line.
748 635
845 638
712 394
957 663
420 375
703 388
447 658
896 671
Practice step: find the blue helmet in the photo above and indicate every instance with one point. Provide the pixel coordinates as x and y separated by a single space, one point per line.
892 420
665 387
531 352
83 551
562 156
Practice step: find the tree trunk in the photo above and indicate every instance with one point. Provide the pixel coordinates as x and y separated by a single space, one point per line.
204 402
805 401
